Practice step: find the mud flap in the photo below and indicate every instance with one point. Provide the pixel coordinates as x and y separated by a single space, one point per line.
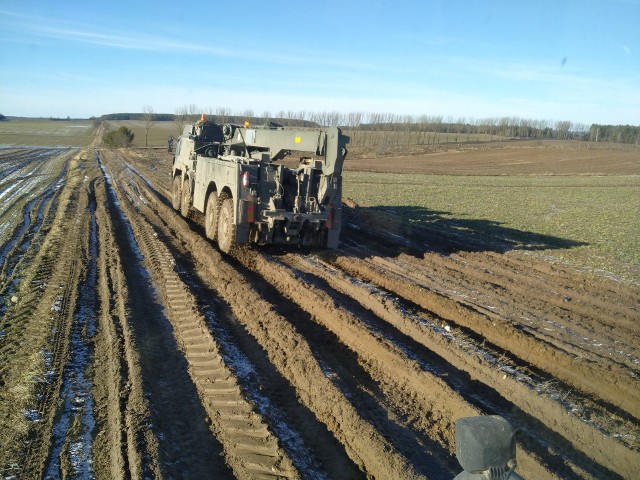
334 224
246 211
242 233
245 218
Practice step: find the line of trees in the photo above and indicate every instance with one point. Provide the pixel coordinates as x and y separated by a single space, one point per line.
614 133
158 117
415 129
221 115
512 127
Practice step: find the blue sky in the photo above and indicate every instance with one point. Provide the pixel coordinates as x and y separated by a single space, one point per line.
544 60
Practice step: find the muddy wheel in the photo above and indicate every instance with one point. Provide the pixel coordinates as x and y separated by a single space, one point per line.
211 216
176 199
186 198
226 227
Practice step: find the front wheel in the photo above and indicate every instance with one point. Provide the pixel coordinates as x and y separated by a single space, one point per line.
226 227
176 197
211 216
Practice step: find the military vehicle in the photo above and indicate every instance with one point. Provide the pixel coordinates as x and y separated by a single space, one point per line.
231 174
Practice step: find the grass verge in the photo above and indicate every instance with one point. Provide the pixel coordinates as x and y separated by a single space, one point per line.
46 133
599 215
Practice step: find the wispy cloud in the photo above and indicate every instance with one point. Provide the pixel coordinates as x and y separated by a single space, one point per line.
138 42
93 35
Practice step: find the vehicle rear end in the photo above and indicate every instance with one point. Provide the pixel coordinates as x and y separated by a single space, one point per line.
292 206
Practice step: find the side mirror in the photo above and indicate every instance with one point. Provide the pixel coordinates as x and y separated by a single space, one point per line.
486 448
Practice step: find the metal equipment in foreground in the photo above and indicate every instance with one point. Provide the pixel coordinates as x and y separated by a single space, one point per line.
230 174
486 448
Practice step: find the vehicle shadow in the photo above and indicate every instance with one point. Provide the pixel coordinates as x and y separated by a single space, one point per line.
417 230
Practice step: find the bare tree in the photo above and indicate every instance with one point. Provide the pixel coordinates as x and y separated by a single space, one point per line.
149 119
223 114
562 129
180 118
334 118
194 112
248 115
353 121
580 131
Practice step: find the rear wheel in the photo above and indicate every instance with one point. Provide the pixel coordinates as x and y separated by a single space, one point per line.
211 216
186 198
176 199
226 227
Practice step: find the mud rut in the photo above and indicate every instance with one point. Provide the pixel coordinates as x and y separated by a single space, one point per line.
155 355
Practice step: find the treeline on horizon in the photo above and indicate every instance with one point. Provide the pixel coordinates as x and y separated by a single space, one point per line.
504 127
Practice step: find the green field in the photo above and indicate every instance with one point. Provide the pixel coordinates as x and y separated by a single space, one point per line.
76 133
599 215
46 133
158 132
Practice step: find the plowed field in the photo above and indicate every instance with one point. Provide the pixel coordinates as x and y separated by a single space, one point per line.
130 347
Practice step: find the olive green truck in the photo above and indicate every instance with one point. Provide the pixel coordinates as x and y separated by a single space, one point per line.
231 174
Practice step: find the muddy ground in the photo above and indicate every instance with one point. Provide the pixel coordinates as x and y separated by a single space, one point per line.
517 157
131 347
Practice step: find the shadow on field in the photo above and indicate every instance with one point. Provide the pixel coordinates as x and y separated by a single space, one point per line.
416 230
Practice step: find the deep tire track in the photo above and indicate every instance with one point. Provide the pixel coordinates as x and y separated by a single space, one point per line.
469 369
588 376
46 301
251 449
176 431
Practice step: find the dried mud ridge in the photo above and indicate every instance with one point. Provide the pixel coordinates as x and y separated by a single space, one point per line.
353 363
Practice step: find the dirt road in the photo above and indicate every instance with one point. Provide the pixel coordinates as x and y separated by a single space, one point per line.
131 347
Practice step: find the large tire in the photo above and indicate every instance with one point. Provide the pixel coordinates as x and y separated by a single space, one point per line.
185 208
176 192
226 227
211 216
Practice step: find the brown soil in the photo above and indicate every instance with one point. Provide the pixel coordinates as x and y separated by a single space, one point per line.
544 157
270 363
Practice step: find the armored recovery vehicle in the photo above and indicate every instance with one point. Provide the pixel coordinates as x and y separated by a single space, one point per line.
230 173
